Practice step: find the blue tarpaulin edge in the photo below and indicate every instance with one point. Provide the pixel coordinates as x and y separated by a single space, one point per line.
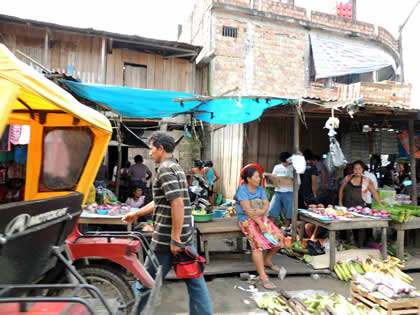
143 103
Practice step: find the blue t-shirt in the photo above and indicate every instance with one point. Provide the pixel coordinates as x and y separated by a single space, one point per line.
243 193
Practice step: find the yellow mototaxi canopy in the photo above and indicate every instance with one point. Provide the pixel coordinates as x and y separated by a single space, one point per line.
25 93
20 84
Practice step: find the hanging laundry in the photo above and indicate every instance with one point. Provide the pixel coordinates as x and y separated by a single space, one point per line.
14 134
21 153
4 140
25 135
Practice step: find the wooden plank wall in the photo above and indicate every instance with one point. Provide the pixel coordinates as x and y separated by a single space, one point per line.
226 154
83 54
170 74
267 137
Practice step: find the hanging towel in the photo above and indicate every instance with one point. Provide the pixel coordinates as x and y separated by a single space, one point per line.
25 135
14 134
4 140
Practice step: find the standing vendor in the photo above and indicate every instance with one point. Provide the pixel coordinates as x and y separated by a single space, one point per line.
354 189
283 197
308 190
139 173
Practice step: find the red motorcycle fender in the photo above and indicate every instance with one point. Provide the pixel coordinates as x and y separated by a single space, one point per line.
114 252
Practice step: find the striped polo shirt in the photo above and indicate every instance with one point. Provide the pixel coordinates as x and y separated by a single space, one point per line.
170 183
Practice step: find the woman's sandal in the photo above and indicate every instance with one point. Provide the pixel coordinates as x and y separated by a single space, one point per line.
272 267
267 284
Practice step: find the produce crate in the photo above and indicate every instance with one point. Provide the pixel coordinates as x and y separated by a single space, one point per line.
403 306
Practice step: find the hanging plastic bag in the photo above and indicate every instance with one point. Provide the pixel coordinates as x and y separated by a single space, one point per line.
329 164
105 196
337 156
298 162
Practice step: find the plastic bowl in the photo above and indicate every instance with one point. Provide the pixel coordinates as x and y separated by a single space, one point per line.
102 211
219 213
203 217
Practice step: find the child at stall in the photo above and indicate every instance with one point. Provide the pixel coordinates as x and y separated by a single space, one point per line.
137 199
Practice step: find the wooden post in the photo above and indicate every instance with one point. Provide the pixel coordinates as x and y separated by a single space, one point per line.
45 58
296 127
412 161
102 66
117 184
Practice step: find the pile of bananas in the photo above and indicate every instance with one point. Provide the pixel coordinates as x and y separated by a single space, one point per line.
346 271
391 267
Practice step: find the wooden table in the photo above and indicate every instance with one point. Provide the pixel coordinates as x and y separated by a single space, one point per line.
340 225
105 220
217 229
413 224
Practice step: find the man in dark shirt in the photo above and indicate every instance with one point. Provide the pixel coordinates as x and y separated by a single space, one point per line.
139 173
101 177
308 188
172 220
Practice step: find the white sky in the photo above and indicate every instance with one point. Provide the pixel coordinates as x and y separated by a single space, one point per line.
159 19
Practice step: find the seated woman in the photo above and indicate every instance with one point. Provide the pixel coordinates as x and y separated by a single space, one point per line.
353 190
137 199
13 191
251 207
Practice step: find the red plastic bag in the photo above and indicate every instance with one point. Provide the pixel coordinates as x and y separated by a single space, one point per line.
188 264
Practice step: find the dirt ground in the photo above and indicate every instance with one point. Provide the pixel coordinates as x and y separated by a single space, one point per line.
230 301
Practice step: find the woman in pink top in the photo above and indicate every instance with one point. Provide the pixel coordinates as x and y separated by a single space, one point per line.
137 200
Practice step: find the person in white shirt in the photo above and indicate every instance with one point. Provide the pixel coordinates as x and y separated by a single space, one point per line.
283 197
373 179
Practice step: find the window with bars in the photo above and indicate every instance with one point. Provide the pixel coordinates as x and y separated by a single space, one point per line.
229 31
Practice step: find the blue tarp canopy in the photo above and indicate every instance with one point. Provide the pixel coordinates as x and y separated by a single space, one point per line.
142 103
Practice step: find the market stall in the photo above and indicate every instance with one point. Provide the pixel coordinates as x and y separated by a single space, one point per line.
344 224
218 229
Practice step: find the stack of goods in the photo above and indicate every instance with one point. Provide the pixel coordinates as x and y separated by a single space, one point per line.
402 215
354 146
338 304
339 213
352 269
105 196
385 142
347 271
370 212
385 286
391 267
402 199
116 209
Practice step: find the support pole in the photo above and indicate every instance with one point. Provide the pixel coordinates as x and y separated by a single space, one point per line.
296 150
102 65
412 161
117 180
46 44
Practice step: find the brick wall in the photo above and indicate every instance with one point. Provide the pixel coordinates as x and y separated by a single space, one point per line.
342 23
262 60
388 38
238 3
230 57
276 7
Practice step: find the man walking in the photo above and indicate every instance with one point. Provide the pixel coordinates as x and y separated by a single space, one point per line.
172 220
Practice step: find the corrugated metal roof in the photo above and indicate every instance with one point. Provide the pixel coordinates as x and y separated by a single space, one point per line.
173 46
